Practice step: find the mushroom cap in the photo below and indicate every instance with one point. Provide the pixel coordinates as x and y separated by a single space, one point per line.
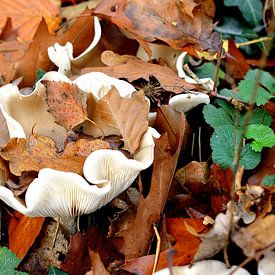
65 194
212 267
62 56
186 102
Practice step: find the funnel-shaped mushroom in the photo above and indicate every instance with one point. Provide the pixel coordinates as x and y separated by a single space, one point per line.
64 194
186 102
62 56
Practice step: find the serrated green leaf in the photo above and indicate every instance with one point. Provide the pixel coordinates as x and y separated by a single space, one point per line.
216 116
230 93
263 136
223 143
260 116
208 70
250 85
55 271
268 180
8 262
251 9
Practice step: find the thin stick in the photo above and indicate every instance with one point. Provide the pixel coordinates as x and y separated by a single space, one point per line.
199 141
157 249
193 142
219 55
56 231
262 39
78 223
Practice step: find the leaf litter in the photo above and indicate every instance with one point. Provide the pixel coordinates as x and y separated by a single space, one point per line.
181 209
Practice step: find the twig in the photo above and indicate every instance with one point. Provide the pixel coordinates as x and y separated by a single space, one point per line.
262 39
219 55
157 249
199 141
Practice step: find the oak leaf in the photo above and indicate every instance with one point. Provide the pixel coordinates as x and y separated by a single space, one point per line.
171 22
4 131
132 68
26 16
127 116
40 152
67 103
22 233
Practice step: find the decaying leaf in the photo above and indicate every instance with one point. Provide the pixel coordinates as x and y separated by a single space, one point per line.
20 63
4 131
97 264
26 16
67 103
257 236
22 233
40 152
174 22
123 116
132 68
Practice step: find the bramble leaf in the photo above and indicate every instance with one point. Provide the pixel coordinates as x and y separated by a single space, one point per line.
263 136
253 84
268 180
8 262
223 143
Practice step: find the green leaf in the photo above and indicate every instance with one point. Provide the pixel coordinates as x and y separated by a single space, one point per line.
55 271
223 143
260 116
252 82
268 180
263 136
208 70
216 116
8 262
251 9
230 93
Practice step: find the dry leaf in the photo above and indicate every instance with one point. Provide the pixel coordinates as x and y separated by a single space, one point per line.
67 103
97 264
22 233
14 64
127 116
172 21
132 68
26 16
139 236
40 152
257 236
4 131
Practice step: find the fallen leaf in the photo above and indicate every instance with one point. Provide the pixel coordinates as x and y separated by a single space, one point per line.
128 116
4 131
257 236
132 68
138 237
40 152
182 252
236 65
97 265
172 22
4 171
23 231
14 64
67 103
26 16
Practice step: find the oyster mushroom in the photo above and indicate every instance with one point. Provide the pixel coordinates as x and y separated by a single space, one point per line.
186 102
62 56
107 173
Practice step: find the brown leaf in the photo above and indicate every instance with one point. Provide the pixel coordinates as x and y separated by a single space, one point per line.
172 21
40 152
22 233
257 236
4 131
236 65
97 265
4 171
184 249
14 64
67 103
128 115
138 237
26 16
132 68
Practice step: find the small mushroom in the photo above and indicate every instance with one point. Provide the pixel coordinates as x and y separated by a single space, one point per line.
65 194
212 267
62 56
186 102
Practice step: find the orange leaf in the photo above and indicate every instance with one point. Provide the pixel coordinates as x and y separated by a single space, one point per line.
26 16
40 152
23 232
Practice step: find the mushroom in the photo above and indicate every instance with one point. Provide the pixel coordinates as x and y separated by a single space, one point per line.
107 173
62 56
212 267
186 102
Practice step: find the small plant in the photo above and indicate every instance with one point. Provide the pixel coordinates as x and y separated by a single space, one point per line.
230 126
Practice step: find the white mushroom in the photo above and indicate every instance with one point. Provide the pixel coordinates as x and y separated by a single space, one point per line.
64 194
212 267
62 56
186 102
